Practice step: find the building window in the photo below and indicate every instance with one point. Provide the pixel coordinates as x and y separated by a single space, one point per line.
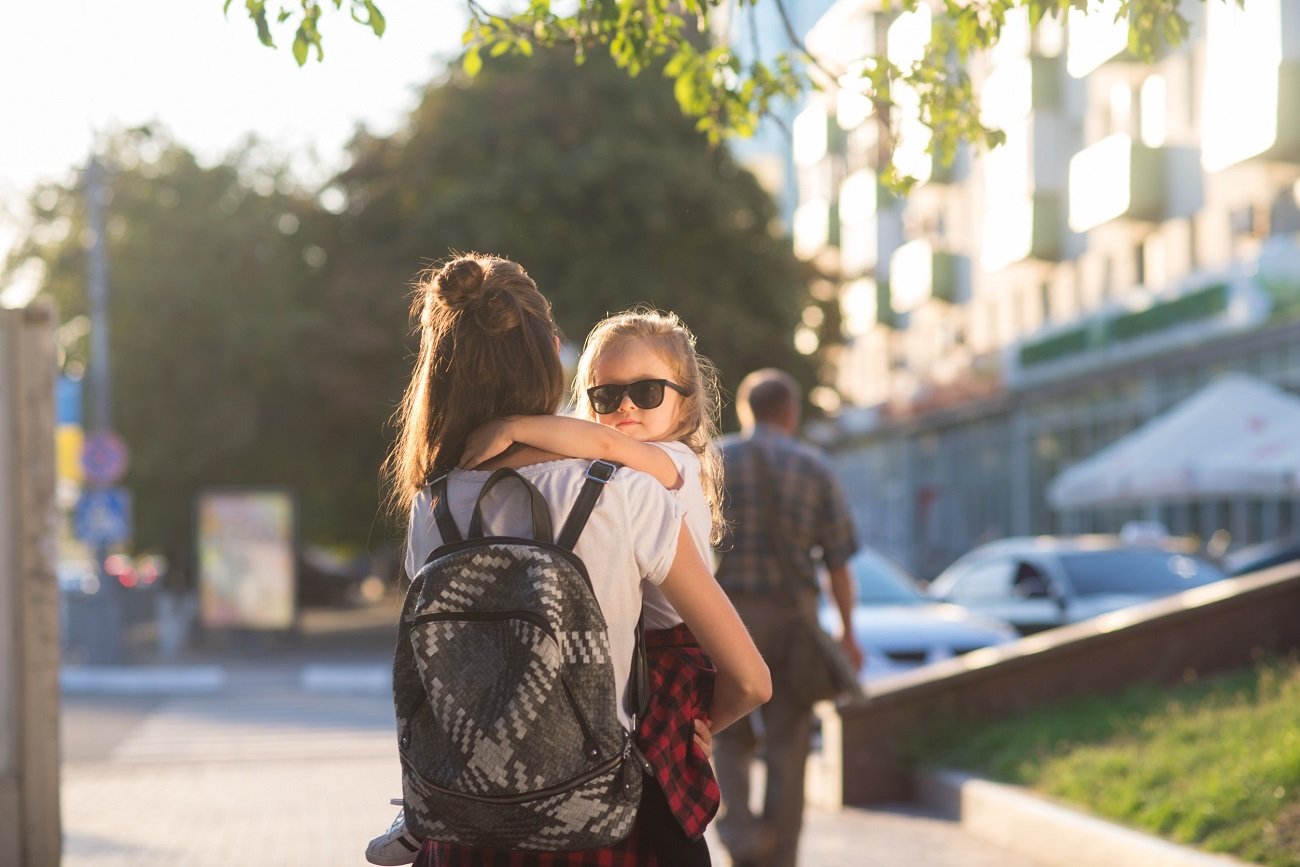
1153 111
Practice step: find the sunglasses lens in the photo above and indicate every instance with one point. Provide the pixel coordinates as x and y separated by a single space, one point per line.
647 394
606 398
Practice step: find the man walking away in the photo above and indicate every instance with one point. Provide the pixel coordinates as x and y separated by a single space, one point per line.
768 470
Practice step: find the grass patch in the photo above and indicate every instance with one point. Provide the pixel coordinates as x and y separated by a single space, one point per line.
1213 763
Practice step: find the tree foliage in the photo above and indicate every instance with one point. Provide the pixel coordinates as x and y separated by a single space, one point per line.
259 338
221 352
599 187
728 95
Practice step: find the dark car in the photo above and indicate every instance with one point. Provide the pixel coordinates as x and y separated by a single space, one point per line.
899 628
326 579
1042 582
1264 555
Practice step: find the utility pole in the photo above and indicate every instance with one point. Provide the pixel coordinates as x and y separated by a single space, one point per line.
30 830
106 648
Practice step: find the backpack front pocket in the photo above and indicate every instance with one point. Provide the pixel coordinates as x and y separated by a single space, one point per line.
505 722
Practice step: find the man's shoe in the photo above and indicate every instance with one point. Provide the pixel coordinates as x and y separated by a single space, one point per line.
395 846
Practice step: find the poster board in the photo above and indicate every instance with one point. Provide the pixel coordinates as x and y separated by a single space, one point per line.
246 558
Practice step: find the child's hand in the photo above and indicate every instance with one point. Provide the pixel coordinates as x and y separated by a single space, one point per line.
704 738
486 442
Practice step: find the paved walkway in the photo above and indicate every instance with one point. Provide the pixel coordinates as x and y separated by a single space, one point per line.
265 772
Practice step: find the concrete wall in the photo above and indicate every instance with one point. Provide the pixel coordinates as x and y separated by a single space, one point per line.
1218 627
29 600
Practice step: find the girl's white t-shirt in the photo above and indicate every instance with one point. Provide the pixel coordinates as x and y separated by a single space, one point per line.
628 544
659 612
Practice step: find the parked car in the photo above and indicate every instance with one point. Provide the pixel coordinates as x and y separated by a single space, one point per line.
899 628
327 579
1041 582
1263 555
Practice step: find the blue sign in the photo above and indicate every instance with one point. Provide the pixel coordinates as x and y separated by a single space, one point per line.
103 517
67 400
103 458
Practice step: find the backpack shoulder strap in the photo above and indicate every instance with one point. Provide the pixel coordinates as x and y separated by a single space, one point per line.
442 512
598 475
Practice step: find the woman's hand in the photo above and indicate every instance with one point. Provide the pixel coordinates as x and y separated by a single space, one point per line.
487 441
704 738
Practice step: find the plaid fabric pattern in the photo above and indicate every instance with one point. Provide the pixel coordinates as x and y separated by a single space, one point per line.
681 690
632 851
814 513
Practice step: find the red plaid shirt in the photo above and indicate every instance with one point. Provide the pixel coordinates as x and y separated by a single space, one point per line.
681 689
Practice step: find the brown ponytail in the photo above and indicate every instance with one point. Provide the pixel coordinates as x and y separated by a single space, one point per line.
487 349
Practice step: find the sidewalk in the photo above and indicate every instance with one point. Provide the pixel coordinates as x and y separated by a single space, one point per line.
258 751
262 753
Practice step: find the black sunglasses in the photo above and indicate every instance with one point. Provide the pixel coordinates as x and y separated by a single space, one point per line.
645 393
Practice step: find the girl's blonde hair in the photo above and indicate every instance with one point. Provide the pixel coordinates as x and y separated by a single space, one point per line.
487 349
697 425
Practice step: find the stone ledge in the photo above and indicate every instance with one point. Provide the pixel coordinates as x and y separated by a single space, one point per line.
1049 832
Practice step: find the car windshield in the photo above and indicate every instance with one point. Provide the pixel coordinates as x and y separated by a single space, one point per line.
1149 571
881 582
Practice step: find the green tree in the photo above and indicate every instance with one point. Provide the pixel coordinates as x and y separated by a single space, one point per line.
725 95
598 185
259 338
221 344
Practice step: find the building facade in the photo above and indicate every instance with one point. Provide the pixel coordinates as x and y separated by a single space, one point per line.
1023 307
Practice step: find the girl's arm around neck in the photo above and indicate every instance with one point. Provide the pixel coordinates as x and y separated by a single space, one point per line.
744 681
573 437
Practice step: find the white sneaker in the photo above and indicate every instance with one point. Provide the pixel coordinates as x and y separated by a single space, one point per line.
395 846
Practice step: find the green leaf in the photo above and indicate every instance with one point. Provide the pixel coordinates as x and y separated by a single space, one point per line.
300 47
472 63
378 23
499 49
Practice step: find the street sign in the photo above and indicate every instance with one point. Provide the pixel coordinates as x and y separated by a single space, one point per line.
103 458
103 517
67 400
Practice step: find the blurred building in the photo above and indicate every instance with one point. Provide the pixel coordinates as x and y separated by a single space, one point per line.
759 32
1024 307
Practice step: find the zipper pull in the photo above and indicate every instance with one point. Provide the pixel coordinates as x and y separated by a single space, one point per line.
631 771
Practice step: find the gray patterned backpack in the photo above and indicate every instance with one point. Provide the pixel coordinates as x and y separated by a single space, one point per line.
507 718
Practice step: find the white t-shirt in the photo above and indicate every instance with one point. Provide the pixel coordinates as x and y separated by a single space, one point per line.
659 612
630 538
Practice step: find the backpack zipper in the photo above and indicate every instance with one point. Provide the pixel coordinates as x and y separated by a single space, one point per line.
559 788
589 737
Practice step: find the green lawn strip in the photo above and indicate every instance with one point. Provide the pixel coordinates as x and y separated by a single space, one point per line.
1214 764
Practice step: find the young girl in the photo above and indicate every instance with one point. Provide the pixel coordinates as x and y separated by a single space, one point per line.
654 400
482 314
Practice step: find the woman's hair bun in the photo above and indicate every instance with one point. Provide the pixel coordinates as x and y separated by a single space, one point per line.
460 282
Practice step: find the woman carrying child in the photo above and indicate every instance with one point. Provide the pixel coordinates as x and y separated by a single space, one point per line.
489 350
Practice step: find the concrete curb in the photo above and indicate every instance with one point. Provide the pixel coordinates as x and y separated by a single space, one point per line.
1050 833
165 680
352 679
142 679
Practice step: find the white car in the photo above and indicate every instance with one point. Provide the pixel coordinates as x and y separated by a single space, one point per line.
1042 582
899 628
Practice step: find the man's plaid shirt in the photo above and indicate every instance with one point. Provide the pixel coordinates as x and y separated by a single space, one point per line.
813 516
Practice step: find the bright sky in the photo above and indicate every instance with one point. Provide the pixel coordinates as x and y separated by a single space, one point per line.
71 68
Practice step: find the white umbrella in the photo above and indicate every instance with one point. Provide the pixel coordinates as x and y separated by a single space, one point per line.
1268 464
1170 457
